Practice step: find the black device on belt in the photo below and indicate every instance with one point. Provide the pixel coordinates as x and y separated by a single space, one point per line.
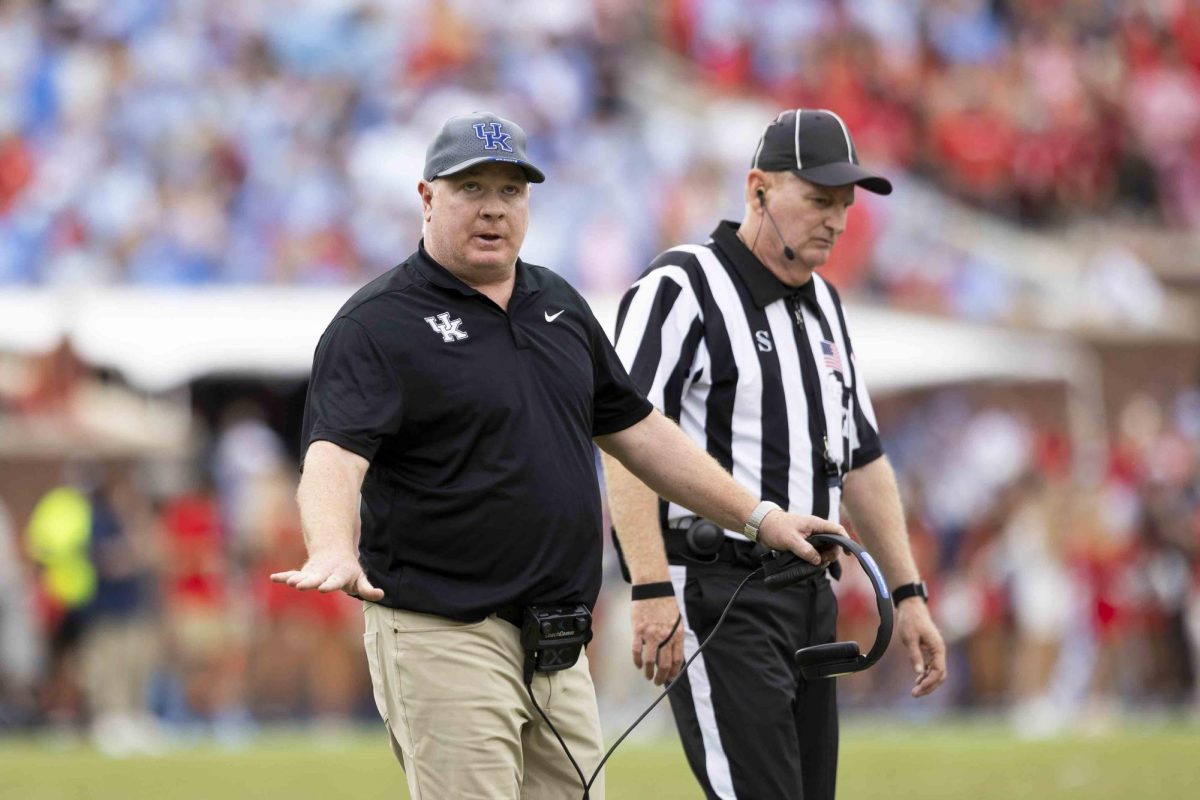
553 636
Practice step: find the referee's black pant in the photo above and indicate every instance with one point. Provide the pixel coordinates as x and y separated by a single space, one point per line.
751 727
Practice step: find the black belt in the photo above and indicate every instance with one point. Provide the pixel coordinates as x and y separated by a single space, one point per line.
511 614
743 553
733 551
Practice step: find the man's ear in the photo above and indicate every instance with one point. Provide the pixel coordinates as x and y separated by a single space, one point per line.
756 181
425 190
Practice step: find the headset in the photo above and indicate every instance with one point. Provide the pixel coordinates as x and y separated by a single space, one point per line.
835 658
788 252
779 571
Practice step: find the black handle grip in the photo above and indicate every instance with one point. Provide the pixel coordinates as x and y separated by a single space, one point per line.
788 576
793 570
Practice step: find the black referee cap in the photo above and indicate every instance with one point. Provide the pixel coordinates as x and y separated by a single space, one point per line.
815 145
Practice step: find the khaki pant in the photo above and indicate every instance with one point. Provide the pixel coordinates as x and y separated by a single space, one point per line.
462 725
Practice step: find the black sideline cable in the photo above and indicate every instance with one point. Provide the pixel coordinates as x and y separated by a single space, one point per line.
587 785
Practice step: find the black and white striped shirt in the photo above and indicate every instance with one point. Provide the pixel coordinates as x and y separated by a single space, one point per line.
739 359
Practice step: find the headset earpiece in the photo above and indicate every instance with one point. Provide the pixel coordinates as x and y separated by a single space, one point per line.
817 662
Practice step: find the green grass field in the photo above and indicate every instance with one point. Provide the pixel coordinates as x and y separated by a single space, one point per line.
971 761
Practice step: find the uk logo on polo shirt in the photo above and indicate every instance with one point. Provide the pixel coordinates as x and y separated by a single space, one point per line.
448 328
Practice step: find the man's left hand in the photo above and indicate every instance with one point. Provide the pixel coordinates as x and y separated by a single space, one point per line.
926 650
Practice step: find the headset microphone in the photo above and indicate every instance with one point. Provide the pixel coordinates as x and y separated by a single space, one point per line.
788 253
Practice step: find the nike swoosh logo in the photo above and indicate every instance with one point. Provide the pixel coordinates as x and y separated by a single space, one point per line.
551 317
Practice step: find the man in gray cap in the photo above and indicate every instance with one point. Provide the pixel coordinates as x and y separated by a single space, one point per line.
747 347
449 481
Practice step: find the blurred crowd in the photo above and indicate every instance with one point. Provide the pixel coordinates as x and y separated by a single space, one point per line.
1064 576
281 142
1038 109
183 143
135 600
138 601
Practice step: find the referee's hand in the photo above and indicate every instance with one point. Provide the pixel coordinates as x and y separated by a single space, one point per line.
657 640
924 644
788 532
331 571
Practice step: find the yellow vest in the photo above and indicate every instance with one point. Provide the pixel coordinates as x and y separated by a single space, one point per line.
59 536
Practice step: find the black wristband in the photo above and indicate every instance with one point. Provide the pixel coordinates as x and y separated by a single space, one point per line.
901 593
649 591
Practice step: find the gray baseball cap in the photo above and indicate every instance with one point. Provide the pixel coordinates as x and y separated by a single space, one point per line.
473 139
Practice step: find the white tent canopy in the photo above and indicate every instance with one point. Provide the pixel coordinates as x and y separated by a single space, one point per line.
161 339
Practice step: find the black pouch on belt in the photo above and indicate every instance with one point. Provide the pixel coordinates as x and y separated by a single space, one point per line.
552 636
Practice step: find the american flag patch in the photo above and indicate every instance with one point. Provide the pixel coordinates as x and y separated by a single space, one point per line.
833 358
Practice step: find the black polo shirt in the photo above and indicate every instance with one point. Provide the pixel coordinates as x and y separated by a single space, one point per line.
478 424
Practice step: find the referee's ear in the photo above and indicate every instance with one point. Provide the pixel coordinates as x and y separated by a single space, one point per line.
756 181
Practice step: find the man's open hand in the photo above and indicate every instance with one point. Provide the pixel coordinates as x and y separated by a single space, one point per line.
330 572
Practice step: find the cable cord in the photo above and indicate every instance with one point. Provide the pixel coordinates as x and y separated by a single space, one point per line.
588 786
585 784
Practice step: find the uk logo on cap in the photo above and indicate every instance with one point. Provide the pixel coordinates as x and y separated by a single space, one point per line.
494 138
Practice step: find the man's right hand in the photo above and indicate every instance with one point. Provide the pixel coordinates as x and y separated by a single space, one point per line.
331 571
783 531
657 639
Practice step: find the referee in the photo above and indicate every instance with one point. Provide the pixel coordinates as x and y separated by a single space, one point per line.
748 349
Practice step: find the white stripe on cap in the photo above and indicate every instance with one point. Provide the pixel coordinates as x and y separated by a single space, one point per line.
845 132
763 139
798 164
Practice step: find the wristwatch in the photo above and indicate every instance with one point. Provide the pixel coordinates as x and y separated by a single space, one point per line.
750 529
902 593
